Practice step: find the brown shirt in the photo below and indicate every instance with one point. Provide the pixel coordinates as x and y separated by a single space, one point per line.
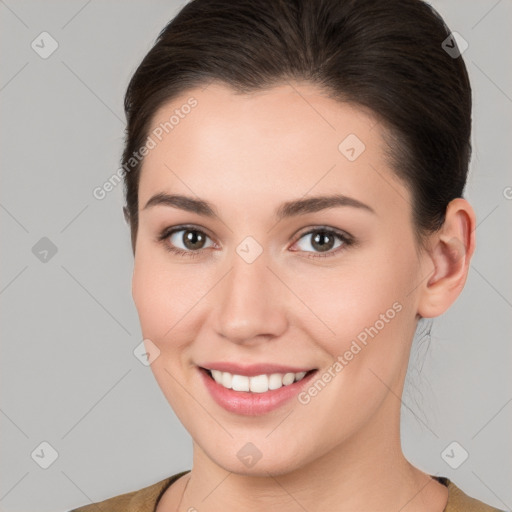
146 499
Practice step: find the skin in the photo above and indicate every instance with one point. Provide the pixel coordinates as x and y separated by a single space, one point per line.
247 154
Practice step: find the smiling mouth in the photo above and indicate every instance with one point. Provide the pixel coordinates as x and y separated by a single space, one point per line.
257 383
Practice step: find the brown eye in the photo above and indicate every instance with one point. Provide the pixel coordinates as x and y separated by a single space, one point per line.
193 239
324 240
188 239
184 240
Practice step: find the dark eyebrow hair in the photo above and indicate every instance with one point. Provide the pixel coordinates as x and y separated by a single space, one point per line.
288 209
317 203
186 203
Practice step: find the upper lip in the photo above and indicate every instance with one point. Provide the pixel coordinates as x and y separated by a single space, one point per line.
251 370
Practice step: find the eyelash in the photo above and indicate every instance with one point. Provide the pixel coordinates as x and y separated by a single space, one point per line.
166 233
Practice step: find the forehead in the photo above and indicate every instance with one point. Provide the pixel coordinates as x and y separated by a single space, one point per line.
291 139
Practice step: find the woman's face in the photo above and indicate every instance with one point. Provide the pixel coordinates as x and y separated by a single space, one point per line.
254 286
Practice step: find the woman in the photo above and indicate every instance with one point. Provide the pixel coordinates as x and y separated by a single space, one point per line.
294 176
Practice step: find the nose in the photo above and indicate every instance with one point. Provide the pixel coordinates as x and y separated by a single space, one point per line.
251 302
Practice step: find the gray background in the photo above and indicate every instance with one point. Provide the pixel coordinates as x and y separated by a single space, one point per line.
69 327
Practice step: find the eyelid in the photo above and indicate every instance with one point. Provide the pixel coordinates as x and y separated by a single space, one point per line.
346 238
315 228
167 232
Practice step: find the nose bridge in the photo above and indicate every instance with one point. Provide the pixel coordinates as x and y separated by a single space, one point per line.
249 301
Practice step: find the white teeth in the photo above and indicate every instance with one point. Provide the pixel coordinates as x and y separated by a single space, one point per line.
259 384
240 383
256 384
275 381
288 378
226 379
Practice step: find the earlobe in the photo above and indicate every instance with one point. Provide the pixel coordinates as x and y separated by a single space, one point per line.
449 257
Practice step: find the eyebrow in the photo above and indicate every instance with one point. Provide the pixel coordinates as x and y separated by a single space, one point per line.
289 209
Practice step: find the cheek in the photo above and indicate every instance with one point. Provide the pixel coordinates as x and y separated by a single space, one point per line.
337 305
153 295
158 297
165 297
367 304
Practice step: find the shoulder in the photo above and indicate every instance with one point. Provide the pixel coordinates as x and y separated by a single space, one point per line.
458 501
142 500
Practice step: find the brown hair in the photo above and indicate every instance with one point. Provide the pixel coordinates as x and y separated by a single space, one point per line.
386 56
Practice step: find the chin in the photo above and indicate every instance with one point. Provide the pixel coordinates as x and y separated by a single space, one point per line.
240 462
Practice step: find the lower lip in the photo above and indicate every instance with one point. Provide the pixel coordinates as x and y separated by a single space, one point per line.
252 404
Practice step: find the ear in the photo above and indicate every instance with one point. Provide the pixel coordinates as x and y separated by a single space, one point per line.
447 262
